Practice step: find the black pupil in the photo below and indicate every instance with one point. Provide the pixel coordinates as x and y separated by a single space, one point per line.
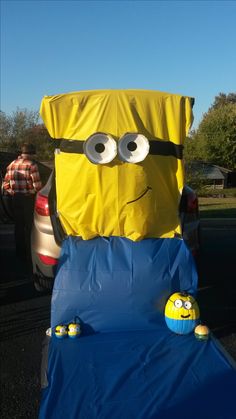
99 147
131 146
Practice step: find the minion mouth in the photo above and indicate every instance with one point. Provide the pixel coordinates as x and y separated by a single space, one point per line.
141 196
185 317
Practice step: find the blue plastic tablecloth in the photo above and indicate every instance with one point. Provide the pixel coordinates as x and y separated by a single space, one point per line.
152 374
117 284
127 363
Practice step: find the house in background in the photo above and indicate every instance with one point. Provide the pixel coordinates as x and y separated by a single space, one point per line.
213 176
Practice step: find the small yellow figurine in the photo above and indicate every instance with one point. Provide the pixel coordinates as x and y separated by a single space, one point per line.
61 331
74 330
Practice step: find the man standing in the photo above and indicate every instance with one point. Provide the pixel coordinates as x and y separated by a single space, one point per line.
22 181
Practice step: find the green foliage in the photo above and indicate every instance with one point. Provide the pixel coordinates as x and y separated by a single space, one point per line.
217 135
215 139
23 126
5 127
194 178
222 99
193 148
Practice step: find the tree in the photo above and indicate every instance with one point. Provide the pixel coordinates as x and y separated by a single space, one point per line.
222 99
217 135
5 127
193 148
23 126
215 139
21 121
38 135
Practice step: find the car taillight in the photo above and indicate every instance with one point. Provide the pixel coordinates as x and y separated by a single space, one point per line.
192 203
47 260
41 205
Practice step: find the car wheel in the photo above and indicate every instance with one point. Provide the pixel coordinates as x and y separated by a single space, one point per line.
42 283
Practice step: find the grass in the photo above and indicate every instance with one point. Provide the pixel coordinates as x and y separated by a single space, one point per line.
214 207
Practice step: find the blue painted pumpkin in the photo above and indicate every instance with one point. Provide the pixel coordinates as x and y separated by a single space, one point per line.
181 313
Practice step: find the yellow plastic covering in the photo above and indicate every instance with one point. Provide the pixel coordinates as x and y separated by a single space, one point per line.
77 115
118 199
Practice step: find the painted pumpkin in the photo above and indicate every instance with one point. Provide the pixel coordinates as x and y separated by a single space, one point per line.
202 332
74 330
181 313
61 331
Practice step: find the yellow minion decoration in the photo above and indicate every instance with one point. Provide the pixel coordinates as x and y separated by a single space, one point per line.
181 313
119 166
74 330
61 331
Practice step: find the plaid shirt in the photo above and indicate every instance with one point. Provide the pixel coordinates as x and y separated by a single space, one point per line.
22 176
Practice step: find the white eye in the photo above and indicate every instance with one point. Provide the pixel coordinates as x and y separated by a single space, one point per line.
100 148
133 148
187 305
178 303
63 329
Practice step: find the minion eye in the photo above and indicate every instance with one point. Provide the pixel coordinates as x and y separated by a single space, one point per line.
187 305
100 148
133 148
178 303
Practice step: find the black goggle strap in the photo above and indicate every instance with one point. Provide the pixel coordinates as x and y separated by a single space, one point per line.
160 148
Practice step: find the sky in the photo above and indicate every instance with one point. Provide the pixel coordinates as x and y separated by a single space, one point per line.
53 47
